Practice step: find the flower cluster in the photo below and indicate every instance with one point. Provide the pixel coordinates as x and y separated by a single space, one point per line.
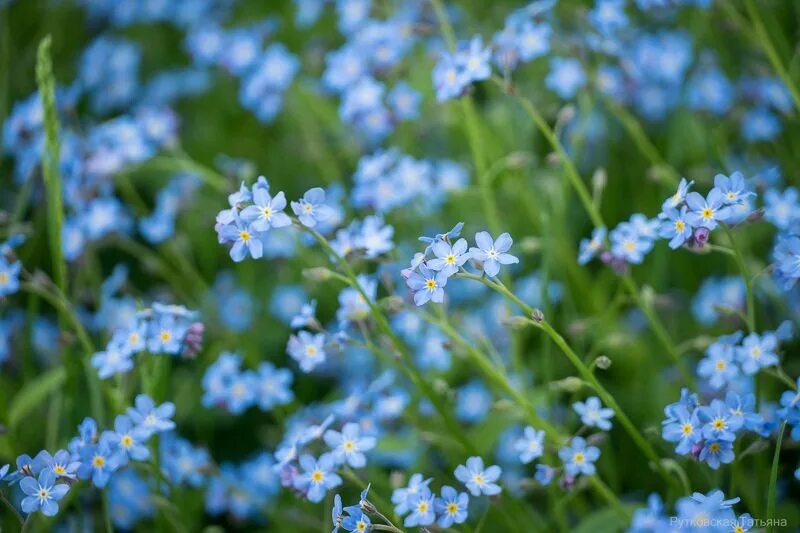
162 329
698 512
226 385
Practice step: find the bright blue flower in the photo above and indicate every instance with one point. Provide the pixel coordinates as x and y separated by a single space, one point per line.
266 211
473 59
718 367
716 452
129 439
62 464
166 335
317 476
421 505
273 385
593 414
684 428
578 457
757 352
374 237
491 253
675 226
589 248
566 76
707 212
628 244
312 208
531 445
401 497
734 189
477 479
744 407
349 445
544 474
718 424
473 402
449 258
715 293
153 419
449 79
307 349
98 462
675 201
245 238
427 285
112 361
9 277
337 516
42 493
357 521
452 506
608 16
787 261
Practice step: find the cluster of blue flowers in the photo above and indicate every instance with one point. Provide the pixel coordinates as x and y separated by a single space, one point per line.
46 478
162 329
698 512
227 386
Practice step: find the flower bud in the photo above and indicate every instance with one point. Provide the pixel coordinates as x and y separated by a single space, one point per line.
193 341
317 274
603 362
537 316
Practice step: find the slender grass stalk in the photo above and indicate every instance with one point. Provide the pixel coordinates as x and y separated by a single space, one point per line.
748 284
642 142
584 371
763 39
406 363
12 508
773 478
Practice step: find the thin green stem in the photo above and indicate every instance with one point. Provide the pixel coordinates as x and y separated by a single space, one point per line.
773 478
748 285
11 507
766 44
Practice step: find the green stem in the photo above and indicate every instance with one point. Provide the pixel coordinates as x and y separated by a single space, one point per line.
772 54
11 507
748 285
659 330
569 167
773 478
383 324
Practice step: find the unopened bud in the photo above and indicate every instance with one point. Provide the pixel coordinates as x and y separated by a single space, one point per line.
519 159
599 179
700 237
193 341
756 215
392 304
317 274
569 384
603 362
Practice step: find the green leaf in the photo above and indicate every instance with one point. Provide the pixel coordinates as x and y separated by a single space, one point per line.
33 394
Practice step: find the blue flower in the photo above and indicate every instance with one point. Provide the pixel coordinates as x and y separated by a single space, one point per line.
98 461
312 209
473 59
629 244
337 516
716 452
153 419
782 208
544 474
427 285
245 238
707 212
684 428
477 479
9 277
787 261
62 464
530 446
129 439
718 367
473 402
757 352
111 361
348 446
674 201
589 248
452 506
274 386
674 226
718 424
744 407
317 476
357 521
593 414
401 497
449 258
491 253
266 212
449 79
578 457
733 188
42 493
566 76
422 507
307 349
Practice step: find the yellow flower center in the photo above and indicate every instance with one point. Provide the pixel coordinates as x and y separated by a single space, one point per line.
59 470
3 278
718 423
361 526
422 507
267 212
579 458
349 445
452 508
714 448
687 429
99 461
44 494
165 335
311 350
133 338
755 352
430 284
707 213
317 476
127 441
451 259
680 225
478 479
721 365
629 245
244 235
